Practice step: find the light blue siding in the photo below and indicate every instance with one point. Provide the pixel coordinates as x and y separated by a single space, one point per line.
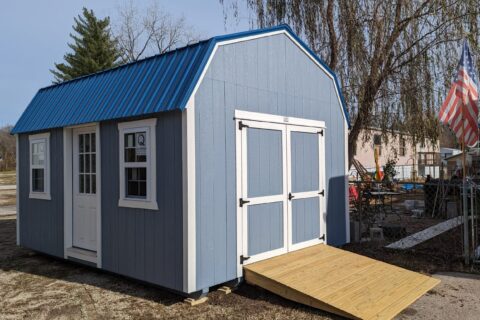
304 165
265 227
264 164
305 219
269 75
41 226
145 244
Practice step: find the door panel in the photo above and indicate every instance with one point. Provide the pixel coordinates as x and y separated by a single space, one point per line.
305 219
265 162
304 161
84 220
265 227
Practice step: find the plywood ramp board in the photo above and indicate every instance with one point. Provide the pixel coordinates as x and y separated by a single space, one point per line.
340 282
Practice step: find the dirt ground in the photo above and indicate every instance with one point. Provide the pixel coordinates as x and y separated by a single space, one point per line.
35 286
7 196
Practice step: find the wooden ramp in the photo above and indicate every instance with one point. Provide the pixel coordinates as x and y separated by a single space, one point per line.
340 282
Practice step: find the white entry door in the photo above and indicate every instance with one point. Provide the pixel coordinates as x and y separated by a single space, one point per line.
84 222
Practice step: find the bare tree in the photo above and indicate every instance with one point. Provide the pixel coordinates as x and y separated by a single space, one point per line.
7 149
394 58
154 31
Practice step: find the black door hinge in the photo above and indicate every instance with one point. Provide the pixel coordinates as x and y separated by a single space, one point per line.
322 238
320 132
241 202
290 196
243 259
322 193
241 125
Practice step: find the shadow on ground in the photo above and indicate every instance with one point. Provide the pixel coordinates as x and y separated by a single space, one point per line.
37 286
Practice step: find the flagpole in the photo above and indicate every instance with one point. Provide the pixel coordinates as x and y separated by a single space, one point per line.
465 200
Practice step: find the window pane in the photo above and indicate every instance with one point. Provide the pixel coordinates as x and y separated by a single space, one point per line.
94 163
141 154
80 143
94 184
81 183
142 188
81 163
38 153
130 155
87 183
38 180
130 140
93 142
87 163
87 142
136 186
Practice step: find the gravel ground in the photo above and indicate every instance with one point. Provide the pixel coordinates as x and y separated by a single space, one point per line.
457 297
35 286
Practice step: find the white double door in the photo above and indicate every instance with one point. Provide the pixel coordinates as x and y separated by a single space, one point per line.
85 164
282 193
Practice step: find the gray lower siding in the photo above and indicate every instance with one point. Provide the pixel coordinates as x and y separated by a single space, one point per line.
145 244
41 226
268 75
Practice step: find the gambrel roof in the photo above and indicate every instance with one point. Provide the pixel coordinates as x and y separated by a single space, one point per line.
151 85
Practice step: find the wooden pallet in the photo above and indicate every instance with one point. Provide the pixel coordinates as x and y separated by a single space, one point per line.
340 282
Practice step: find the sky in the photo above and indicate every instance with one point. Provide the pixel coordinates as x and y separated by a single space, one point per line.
34 35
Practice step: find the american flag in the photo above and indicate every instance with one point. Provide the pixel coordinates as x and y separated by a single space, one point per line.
463 95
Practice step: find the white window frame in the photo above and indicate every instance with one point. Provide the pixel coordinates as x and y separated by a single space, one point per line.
149 126
35 138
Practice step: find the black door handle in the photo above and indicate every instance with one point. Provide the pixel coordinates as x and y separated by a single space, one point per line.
290 196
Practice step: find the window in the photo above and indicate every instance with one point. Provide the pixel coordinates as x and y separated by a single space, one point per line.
377 143
39 166
87 156
137 159
402 148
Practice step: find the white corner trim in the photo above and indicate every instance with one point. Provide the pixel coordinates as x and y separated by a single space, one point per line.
67 187
347 206
263 35
45 195
17 178
189 198
271 118
150 126
99 193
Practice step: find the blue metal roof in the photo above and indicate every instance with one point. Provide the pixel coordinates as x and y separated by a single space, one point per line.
155 84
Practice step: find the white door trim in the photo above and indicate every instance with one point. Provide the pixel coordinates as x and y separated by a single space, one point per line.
68 196
271 118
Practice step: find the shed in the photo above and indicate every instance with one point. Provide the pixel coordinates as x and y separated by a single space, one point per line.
180 168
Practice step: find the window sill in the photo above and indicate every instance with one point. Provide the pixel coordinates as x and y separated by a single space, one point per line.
139 204
41 196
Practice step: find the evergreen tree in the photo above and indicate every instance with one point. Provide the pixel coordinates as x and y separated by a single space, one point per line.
94 48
